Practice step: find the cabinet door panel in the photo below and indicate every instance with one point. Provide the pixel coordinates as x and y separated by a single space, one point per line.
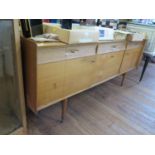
50 82
130 60
108 65
78 74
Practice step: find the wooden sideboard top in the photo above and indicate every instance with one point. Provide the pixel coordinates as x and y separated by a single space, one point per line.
60 44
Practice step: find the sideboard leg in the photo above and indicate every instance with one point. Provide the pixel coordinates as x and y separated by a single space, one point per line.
147 59
123 78
64 109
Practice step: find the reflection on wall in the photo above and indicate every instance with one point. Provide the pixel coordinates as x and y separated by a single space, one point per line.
9 104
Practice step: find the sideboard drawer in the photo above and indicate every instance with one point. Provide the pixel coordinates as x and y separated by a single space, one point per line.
110 47
132 45
80 51
48 54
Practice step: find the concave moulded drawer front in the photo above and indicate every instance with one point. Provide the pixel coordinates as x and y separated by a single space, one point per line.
80 51
110 47
50 54
132 45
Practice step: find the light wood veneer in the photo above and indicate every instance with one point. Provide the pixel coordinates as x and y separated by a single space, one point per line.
54 73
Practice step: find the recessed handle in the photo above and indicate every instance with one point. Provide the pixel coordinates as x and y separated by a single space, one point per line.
92 61
114 46
74 50
55 85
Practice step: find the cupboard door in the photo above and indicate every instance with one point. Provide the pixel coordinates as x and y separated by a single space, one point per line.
130 60
50 83
108 65
78 74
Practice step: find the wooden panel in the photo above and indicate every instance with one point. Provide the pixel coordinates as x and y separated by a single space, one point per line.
111 47
50 82
108 65
19 74
130 60
80 51
29 68
48 54
133 45
79 74
141 52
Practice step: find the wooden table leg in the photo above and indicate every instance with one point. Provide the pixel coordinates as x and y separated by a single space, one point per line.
123 78
64 104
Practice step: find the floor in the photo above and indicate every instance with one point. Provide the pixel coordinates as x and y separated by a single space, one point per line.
107 109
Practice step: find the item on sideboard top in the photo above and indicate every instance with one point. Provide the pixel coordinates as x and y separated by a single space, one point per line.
46 37
31 27
137 36
106 33
80 34
51 27
49 36
120 35
132 36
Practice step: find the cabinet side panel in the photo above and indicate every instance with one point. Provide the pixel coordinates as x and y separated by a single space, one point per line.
29 69
141 52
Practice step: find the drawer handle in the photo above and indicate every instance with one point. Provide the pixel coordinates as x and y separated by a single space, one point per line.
92 61
73 51
114 46
55 85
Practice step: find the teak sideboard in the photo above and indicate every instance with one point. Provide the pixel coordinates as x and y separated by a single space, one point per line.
55 71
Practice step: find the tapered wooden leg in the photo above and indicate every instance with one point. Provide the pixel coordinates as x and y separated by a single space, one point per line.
147 59
64 109
123 78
